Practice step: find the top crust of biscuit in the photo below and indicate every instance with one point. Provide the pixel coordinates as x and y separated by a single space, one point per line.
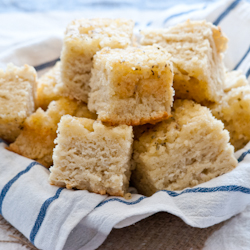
145 57
12 73
17 87
196 29
132 86
196 48
107 31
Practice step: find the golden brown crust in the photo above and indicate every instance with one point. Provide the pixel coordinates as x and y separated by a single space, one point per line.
36 140
97 191
58 185
117 194
14 148
45 136
103 191
152 120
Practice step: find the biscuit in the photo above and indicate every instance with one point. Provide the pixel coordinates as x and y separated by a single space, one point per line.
92 156
83 38
131 86
188 149
17 99
36 141
196 48
234 112
47 87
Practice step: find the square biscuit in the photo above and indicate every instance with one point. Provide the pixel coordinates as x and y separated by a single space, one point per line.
131 86
47 87
17 99
83 38
36 140
92 156
196 48
234 112
188 149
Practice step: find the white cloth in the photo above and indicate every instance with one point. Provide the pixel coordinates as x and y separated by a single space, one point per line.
72 220
54 218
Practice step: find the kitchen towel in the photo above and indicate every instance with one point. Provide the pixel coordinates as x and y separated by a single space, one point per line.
56 218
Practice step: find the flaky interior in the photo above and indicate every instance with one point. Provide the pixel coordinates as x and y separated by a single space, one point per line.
92 156
184 151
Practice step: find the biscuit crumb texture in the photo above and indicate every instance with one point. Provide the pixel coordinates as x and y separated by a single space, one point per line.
188 149
17 99
196 48
36 140
235 79
47 87
234 112
83 38
92 156
131 86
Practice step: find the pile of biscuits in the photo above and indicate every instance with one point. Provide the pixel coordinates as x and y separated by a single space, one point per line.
161 113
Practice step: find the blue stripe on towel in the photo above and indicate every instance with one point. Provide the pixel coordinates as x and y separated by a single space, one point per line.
149 23
121 201
230 188
248 73
242 59
182 13
13 180
243 155
46 65
225 13
42 214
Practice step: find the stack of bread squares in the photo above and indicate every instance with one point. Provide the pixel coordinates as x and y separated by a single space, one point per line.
128 86
40 129
113 110
83 38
